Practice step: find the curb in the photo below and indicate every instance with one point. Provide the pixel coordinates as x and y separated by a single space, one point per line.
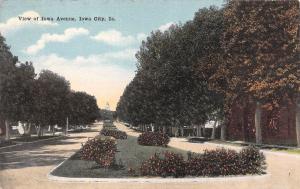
10 146
51 138
281 154
52 177
22 143
157 180
264 151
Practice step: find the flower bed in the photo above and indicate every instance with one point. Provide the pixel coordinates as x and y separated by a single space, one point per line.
114 133
210 163
153 139
101 151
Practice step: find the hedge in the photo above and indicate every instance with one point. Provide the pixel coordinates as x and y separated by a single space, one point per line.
101 151
153 139
114 133
211 163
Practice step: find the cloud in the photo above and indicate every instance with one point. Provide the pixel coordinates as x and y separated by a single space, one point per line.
166 26
103 75
68 34
14 23
141 36
116 38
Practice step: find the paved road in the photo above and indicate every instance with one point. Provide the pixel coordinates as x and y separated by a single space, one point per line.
27 166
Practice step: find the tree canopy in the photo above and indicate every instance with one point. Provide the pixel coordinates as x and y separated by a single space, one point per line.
46 100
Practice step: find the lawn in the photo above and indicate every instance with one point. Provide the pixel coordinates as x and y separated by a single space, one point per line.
4 143
130 154
34 138
285 149
289 151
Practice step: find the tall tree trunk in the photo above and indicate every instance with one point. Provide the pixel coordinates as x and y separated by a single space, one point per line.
223 131
258 134
152 127
67 126
243 123
7 130
182 131
298 121
213 133
2 126
164 129
204 130
27 128
176 131
39 131
42 131
53 130
199 132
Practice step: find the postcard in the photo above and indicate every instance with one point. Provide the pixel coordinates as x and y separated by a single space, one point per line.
149 94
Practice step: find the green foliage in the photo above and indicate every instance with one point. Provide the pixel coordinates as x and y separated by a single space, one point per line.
153 139
261 51
170 87
101 151
7 81
252 161
46 100
114 133
51 91
107 114
211 163
82 108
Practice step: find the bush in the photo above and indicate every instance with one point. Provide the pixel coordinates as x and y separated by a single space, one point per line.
101 151
170 165
153 139
174 165
210 163
194 166
252 161
114 133
153 166
220 162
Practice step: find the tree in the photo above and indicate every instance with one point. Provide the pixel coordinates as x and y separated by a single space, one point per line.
51 102
170 87
7 86
24 95
83 108
298 121
261 50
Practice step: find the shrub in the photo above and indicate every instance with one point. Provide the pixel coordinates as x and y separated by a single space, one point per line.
220 162
153 139
153 166
194 166
174 165
210 163
114 133
131 172
252 161
170 165
101 151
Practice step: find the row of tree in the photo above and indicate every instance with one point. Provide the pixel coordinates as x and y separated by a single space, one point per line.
245 52
43 101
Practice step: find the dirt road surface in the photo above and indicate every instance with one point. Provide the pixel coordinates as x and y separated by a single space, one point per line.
27 166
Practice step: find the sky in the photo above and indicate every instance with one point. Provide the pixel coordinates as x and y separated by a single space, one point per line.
95 53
